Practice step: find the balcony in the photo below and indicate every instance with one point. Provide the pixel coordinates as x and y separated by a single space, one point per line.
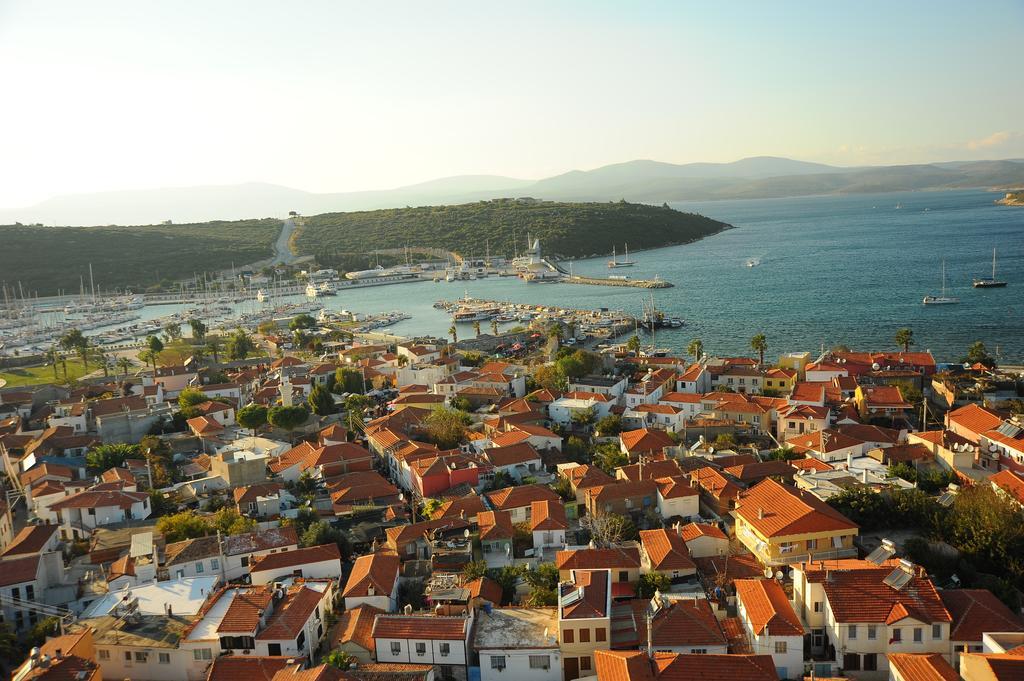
794 558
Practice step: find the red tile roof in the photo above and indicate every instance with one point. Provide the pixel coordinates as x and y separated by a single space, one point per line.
356 626
291 614
862 596
101 499
470 505
585 475
768 608
421 627
598 559
1011 483
682 622
975 418
621 665
243 614
692 531
777 510
666 550
297 558
976 611
511 455
31 539
664 468
495 525
379 570
922 667
594 602
264 540
19 570
521 496
548 515
486 588
245 668
645 440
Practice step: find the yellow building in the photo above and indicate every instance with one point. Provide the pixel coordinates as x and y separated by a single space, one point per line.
782 525
584 620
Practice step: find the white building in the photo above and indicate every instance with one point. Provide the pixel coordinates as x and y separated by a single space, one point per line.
518 643
424 639
314 562
373 581
771 625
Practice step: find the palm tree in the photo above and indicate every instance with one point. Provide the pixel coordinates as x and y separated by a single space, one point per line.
633 344
695 348
125 364
476 327
556 331
83 350
905 337
213 347
53 357
759 344
494 326
454 333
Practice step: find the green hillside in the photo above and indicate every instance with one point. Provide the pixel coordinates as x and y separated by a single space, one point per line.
502 225
45 259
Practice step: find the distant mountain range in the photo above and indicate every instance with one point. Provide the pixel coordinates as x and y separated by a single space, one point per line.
637 181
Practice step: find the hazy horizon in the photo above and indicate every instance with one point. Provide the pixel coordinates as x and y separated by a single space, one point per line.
338 97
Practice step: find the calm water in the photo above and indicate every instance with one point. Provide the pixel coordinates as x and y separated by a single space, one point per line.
834 270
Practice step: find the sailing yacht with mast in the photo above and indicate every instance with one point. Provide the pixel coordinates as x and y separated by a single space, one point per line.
990 282
941 299
615 262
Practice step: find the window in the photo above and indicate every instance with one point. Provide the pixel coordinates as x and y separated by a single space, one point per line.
584 635
202 654
698 651
852 632
600 635
245 561
104 654
585 664
274 649
319 631
871 662
936 631
897 635
128 657
817 606
540 662
812 544
421 649
786 547
569 636
141 657
165 658
446 649
30 593
623 575
300 642
214 564
851 662
396 648
497 662
780 647
872 632
199 567
918 634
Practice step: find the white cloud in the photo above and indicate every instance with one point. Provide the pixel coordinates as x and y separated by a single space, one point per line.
996 139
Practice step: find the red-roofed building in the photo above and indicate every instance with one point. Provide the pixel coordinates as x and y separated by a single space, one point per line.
972 420
703 540
314 562
622 665
518 501
1009 483
548 524
782 525
974 612
664 551
424 639
354 632
771 624
623 562
373 582
920 667
79 514
584 619
644 441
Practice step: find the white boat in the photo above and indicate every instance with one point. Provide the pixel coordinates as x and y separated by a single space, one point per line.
478 314
941 299
615 262
990 282
753 262
261 296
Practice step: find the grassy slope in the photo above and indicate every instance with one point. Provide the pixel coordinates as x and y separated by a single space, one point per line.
45 259
566 229
38 375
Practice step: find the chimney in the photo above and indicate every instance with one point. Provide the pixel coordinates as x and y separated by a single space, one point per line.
650 636
849 461
679 529
760 513
864 476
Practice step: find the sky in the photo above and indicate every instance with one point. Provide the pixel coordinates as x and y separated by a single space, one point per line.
347 96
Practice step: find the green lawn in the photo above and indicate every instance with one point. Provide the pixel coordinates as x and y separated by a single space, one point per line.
43 374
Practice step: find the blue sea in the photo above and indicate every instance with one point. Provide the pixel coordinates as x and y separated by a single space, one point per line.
833 270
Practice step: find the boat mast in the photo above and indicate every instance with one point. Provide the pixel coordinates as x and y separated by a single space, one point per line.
993 264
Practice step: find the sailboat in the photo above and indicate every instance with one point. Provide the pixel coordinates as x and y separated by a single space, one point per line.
942 299
615 262
990 282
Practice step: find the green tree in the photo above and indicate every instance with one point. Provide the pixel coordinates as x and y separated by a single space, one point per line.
103 457
609 426
759 344
41 630
543 583
978 354
476 328
188 399
321 532
904 338
651 582
474 570
349 380
287 418
633 344
454 333
184 525
584 418
72 340
494 326
213 346
252 416
320 401
240 345
550 376
155 346
340 659
10 649
199 329
862 505
302 321
446 427
229 521
159 504
172 331
695 348
610 456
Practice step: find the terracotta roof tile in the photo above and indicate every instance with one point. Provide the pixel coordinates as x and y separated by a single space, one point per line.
767 607
292 613
598 559
297 558
862 596
421 627
495 525
777 510
548 515
356 626
379 570
976 611
520 496
922 667
666 550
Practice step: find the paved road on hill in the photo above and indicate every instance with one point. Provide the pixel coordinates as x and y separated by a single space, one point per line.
283 254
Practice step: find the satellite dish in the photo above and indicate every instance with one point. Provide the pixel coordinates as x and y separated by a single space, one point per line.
778 574
875 366
465 533
767 573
